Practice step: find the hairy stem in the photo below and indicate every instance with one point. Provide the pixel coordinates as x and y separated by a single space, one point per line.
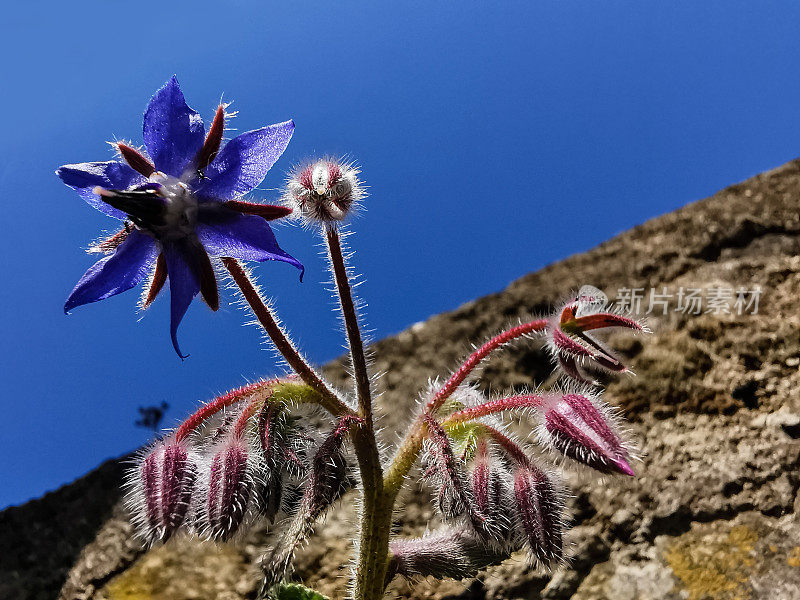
350 316
476 357
376 509
494 407
330 401
410 448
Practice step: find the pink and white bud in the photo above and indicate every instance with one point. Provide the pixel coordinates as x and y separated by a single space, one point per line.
539 506
573 348
577 428
324 191
161 487
455 552
228 489
491 519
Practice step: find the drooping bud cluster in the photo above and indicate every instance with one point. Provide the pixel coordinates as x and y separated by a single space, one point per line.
229 464
578 352
324 191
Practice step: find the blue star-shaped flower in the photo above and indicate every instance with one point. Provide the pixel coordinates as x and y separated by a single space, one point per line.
180 205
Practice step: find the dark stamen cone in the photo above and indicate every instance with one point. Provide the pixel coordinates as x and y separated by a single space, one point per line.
157 281
136 160
213 140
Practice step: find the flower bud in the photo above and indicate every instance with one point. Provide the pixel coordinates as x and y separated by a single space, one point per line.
491 519
575 427
161 489
453 552
324 191
444 472
574 348
228 491
539 506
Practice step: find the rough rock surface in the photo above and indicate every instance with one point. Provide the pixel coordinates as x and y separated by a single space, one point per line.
715 408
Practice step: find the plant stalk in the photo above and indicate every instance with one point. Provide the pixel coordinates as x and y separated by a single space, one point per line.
330 401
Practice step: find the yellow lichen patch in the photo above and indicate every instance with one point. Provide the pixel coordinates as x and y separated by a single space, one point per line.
198 570
793 559
714 566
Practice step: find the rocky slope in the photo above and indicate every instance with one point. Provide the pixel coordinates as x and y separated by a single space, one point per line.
715 408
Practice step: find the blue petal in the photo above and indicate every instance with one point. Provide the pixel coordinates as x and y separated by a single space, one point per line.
173 132
244 161
246 237
116 273
84 177
183 287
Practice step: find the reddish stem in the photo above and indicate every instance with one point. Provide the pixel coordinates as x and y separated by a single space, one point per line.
509 446
495 406
216 405
476 357
249 411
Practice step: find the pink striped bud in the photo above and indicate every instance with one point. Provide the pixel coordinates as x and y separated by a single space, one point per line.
491 519
539 506
575 427
453 552
161 488
574 348
228 491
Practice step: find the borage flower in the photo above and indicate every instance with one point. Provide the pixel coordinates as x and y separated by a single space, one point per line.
180 203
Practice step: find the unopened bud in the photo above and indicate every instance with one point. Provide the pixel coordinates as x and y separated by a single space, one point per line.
575 427
228 491
325 190
161 490
453 552
444 471
539 506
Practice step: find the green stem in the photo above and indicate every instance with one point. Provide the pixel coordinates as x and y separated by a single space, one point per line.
376 506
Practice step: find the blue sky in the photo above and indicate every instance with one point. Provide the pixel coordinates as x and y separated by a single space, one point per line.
495 138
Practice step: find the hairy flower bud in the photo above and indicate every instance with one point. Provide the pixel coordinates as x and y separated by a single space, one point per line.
574 348
161 487
444 472
575 427
453 552
228 491
325 190
539 506
490 495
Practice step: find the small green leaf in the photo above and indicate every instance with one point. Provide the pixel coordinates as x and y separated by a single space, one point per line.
295 591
